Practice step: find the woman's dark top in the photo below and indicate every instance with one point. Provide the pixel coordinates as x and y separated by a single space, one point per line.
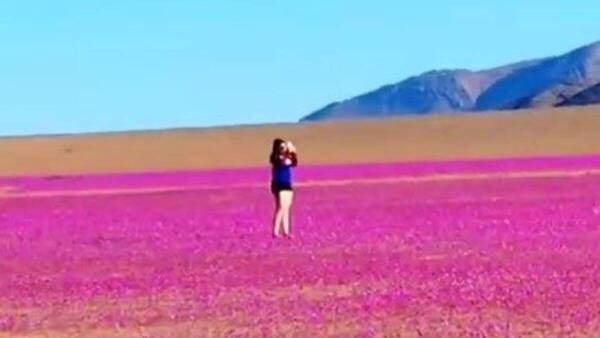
282 169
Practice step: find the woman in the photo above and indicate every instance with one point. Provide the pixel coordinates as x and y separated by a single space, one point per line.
283 158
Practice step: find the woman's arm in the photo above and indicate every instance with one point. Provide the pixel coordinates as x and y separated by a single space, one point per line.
292 154
294 159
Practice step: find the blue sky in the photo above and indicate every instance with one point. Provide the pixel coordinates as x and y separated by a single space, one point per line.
80 66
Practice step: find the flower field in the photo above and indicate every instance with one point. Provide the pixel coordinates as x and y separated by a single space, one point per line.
496 248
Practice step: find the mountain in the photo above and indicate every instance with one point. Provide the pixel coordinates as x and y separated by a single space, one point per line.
538 83
545 84
589 96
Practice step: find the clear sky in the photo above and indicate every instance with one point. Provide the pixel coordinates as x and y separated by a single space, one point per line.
77 66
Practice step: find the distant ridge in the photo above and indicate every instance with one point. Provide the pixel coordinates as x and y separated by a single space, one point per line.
588 96
548 82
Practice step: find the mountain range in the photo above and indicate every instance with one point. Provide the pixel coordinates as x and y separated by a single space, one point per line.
569 79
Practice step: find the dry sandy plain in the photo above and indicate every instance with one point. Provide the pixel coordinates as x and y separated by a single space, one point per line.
504 134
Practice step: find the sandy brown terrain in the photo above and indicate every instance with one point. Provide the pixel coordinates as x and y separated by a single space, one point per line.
524 133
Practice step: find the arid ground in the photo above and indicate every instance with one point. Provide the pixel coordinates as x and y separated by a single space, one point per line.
508 134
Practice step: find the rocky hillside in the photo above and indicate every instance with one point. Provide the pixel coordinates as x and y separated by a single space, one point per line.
560 80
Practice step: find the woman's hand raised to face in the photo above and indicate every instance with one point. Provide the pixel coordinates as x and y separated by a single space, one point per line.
290 147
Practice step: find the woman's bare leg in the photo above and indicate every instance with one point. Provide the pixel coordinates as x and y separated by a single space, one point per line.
277 217
285 202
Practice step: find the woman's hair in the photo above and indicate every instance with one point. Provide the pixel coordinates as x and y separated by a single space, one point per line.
274 158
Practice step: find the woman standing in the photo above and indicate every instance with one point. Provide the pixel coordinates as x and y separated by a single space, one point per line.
283 158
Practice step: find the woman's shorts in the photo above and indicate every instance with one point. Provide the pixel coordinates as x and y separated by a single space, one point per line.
277 187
